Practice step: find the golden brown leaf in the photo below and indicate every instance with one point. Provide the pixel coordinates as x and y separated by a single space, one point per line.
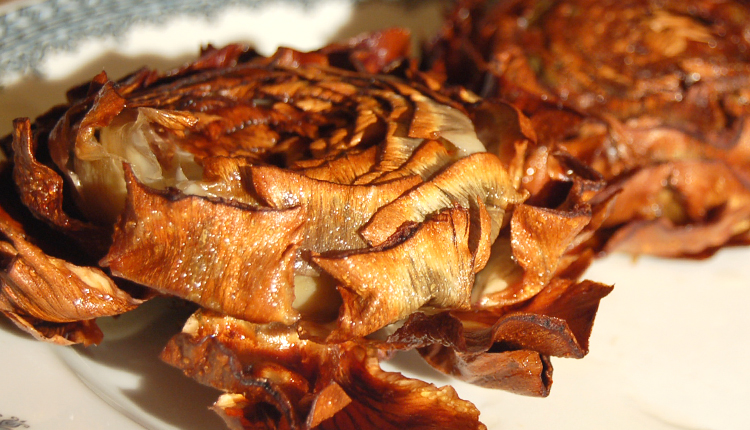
276 380
231 258
50 297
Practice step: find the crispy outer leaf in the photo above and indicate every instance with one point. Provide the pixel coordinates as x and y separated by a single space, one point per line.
524 372
478 176
432 265
51 298
509 350
231 258
41 190
276 380
334 212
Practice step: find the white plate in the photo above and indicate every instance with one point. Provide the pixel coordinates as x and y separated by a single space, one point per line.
670 344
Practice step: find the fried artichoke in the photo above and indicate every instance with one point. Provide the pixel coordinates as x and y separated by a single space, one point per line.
653 95
322 210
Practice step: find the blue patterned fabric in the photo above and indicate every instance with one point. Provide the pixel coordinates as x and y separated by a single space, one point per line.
30 32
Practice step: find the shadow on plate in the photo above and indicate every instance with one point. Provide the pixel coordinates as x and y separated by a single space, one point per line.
7 326
131 347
